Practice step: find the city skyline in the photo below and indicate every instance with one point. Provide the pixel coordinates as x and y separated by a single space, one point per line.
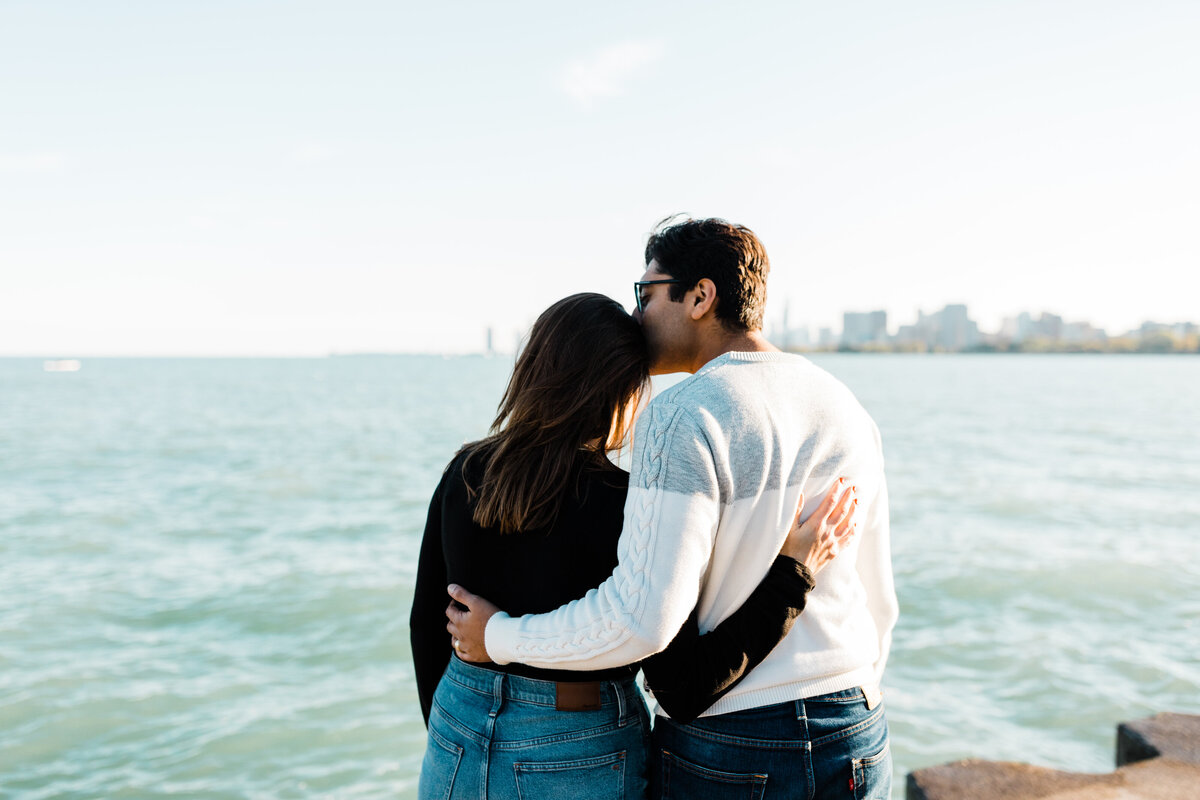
952 328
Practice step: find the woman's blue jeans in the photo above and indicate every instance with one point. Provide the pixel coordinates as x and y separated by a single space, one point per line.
499 736
831 746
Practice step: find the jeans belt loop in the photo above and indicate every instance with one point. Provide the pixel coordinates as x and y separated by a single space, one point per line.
497 694
574 696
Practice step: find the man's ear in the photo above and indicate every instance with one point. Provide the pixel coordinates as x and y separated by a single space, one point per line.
703 298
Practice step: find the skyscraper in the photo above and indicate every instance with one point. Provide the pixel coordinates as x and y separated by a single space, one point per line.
860 328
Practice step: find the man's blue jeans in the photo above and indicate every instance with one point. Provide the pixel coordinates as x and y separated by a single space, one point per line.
831 746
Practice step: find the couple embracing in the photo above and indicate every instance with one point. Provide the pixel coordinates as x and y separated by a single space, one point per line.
742 564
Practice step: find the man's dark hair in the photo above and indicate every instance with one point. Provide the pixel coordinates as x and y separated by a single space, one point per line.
729 255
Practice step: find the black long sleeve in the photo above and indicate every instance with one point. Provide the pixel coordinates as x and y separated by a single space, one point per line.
427 622
697 670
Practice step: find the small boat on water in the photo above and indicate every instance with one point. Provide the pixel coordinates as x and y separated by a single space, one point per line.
62 365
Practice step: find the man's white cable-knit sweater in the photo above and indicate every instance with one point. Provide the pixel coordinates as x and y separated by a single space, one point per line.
719 463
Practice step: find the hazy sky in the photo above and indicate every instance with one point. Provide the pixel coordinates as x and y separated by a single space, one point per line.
305 177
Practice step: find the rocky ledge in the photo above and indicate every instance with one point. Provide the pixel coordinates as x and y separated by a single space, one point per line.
1158 758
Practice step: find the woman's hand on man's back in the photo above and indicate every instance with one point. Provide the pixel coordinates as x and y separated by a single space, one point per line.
827 531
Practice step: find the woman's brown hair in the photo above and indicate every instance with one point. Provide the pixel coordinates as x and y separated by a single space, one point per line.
585 362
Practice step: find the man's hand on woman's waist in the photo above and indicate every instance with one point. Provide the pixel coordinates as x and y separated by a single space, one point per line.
467 628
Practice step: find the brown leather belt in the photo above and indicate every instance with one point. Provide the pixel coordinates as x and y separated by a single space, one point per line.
577 696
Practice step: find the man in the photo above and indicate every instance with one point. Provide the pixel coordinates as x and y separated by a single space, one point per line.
719 462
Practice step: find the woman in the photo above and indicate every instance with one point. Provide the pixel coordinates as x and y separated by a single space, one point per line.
531 516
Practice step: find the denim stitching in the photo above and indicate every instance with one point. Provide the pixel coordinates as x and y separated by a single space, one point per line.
784 744
458 726
758 744
476 689
557 766
876 715
882 754
557 738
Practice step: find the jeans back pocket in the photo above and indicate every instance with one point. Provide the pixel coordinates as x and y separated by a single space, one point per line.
601 778
873 775
682 779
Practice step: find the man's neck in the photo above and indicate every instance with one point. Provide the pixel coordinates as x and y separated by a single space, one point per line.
731 342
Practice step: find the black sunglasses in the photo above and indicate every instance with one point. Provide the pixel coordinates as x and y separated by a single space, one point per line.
637 290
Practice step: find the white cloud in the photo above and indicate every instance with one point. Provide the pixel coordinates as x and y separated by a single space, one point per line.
607 72
31 162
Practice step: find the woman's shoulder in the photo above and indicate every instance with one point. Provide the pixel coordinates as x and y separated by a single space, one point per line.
467 465
593 481
606 475
466 453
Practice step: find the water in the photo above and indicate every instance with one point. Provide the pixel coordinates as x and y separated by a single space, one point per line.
206 565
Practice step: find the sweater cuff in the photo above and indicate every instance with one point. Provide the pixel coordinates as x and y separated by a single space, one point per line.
797 576
501 630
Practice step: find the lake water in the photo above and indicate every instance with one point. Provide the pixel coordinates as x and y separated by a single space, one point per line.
206 565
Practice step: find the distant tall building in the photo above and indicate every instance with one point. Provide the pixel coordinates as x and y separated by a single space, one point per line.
785 336
864 328
1017 329
1049 326
1025 327
1082 333
491 350
781 334
908 333
948 329
957 331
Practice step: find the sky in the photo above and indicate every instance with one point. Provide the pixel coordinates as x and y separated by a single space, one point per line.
302 178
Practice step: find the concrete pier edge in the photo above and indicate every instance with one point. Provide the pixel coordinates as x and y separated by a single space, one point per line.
1157 758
